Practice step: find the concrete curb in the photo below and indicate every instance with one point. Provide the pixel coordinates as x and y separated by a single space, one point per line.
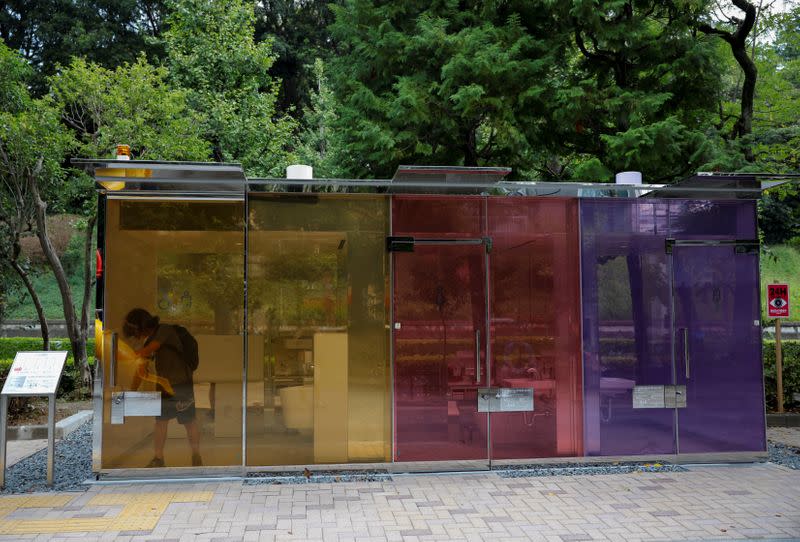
63 428
787 419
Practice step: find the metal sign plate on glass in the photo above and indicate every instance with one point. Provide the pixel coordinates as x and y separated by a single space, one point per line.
648 397
35 373
117 407
505 399
142 403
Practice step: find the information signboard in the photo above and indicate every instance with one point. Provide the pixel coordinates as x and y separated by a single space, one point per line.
778 300
35 373
31 374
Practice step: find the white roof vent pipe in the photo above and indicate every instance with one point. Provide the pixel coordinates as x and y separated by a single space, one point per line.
629 177
299 171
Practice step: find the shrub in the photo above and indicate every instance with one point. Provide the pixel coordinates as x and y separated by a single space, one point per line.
791 372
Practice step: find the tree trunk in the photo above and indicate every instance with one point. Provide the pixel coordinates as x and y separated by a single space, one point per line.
45 330
77 336
744 125
738 43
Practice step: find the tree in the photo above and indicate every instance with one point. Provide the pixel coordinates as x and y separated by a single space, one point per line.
51 32
443 83
211 52
33 144
737 40
299 35
776 108
320 144
90 110
639 92
132 104
17 216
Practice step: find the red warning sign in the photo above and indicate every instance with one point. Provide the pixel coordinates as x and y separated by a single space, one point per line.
778 300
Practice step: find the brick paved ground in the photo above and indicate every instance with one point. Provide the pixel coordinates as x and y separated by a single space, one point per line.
728 502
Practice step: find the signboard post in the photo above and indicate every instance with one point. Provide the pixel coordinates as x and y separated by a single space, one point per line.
778 307
32 374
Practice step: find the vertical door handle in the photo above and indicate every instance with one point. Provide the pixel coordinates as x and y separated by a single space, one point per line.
686 360
478 355
112 363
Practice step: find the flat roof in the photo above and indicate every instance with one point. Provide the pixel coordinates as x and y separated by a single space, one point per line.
192 178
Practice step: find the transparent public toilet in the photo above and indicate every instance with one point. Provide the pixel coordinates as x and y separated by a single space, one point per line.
444 319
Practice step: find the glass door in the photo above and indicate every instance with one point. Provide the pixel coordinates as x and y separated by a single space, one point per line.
440 351
717 339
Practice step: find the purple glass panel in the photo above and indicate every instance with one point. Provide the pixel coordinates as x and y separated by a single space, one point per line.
440 308
626 325
690 219
718 350
535 301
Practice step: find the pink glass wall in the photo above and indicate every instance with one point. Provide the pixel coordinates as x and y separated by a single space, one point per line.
535 316
439 308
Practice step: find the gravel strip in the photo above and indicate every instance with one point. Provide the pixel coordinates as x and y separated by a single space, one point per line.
72 465
316 477
782 454
584 469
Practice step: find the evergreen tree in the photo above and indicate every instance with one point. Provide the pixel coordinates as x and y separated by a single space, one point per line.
462 83
640 92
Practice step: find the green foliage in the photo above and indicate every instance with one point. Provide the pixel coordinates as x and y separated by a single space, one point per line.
132 104
790 351
300 35
52 32
9 346
211 53
639 91
13 92
320 143
441 83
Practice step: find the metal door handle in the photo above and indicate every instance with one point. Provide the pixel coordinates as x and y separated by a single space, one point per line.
686 361
478 355
112 369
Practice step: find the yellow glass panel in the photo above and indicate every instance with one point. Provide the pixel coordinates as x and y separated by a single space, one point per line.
183 262
318 385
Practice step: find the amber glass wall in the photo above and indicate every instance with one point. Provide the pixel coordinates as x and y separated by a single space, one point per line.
318 390
184 262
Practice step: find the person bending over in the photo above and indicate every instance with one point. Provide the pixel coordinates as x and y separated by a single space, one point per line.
173 379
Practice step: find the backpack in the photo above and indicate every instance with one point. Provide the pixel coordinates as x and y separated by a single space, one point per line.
190 353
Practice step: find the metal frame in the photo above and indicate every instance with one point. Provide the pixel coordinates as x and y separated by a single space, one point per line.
245 329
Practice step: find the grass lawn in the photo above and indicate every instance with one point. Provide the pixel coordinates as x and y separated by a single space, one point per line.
781 264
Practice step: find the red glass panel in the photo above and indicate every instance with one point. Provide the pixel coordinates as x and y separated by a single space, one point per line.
438 216
535 318
440 309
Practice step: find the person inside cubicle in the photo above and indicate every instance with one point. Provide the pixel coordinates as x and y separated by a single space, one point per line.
173 352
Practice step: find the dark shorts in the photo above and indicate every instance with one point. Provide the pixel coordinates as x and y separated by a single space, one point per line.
180 405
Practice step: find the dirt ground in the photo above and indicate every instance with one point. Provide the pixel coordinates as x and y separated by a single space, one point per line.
37 414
